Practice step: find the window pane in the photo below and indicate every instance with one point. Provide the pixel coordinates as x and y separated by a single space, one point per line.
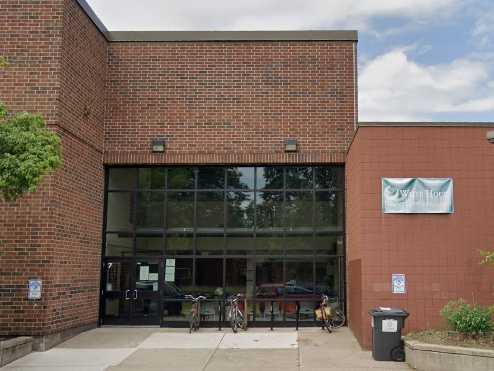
240 177
236 277
299 244
240 210
152 178
330 177
118 212
329 245
299 177
269 177
210 209
150 209
210 245
329 210
178 282
117 276
149 245
269 244
211 178
119 245
299 287
269 210
147 276
179 244
240 245
181 178
240 279
180 210
328 276
209 277
269 288
122 178
298 210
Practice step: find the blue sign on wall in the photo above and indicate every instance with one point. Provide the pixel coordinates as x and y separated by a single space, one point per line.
417 195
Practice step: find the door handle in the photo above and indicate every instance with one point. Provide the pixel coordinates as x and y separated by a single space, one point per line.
127 294
135 296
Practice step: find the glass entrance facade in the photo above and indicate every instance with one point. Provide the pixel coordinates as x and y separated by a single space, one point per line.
272 233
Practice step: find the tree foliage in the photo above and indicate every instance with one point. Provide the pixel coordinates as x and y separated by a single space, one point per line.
28 151
487 257
3 62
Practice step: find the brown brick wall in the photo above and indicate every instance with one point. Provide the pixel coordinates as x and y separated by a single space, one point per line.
57 68
229 102
216 102
438 253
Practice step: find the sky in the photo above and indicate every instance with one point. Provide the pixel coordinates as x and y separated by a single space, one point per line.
419 60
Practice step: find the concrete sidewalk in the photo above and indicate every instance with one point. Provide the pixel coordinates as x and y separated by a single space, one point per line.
125 349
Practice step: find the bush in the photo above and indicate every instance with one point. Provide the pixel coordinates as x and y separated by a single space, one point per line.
468 320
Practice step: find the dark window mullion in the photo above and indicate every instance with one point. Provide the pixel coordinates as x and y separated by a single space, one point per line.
194 228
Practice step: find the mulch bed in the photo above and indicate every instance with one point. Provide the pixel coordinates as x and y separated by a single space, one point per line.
443 337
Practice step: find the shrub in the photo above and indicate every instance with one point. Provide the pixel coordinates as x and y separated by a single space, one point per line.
468 320
28 151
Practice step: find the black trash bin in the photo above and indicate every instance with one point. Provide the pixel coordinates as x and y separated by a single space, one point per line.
386 334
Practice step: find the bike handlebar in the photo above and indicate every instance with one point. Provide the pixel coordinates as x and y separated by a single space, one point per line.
200 297
235 297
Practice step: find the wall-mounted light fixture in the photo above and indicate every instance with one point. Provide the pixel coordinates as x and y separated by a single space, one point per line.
158 145
490 136
291 145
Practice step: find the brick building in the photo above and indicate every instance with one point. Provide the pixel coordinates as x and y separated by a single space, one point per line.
122 232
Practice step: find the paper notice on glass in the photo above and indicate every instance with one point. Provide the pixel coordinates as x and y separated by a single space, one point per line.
170 262
153 276
144 273
170 274
155 286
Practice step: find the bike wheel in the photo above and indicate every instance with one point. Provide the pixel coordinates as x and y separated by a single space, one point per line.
326 322
338 319
241 321
191 323
233 321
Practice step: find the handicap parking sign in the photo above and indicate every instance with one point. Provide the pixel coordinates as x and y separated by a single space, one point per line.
398 283
34 289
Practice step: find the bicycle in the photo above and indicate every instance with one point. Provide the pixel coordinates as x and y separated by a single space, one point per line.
195 312
236 316
338 318
323 314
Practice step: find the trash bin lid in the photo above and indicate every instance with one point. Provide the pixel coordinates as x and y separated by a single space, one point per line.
386 312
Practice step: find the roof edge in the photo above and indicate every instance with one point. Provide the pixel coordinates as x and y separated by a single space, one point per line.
425 124
93 17
184 36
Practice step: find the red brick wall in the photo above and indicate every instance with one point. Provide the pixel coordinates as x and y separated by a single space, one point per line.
30 39
57 68
438 253
229 102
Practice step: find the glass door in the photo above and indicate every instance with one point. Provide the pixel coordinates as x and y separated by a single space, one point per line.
117 291
146 294
131 292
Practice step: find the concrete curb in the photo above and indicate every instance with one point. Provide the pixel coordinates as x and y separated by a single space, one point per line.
15 348
434 357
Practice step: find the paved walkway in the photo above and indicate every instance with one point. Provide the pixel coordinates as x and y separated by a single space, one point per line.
153 349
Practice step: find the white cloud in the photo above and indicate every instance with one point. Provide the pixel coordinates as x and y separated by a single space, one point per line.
393 87
484 28
258 14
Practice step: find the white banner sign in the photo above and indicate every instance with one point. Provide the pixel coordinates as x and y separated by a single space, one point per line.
417 195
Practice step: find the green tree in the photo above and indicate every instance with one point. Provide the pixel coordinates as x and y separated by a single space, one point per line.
28 151
487 257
